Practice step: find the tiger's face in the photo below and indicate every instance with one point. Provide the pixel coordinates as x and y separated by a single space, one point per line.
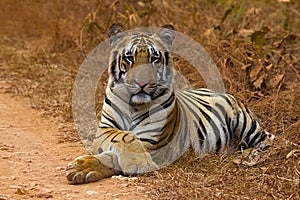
140 67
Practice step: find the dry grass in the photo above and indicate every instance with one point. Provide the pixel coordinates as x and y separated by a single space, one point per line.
41 52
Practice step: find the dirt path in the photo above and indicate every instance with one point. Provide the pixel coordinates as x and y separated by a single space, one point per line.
33 161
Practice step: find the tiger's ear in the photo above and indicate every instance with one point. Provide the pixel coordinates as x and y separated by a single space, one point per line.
167 34
114 33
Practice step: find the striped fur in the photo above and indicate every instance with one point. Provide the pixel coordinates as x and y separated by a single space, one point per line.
146 124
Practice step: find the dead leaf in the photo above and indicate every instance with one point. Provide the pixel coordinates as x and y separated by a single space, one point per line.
244 67
269 67
275 81
292 153
264 169
208 32
237 161
258 37
196 18
256 69
258 82
245 32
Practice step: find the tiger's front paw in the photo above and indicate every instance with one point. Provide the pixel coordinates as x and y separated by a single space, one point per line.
86 169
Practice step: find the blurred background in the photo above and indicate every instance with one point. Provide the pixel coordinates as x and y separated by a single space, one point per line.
255 45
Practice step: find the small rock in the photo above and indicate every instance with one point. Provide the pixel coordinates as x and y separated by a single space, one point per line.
43 195
124 185
6 156
122 178
109 194
32 184
133 179
5 148
4 197
46 190
60 168
91 192
20 191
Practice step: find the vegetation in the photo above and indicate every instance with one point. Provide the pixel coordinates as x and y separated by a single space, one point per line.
254 43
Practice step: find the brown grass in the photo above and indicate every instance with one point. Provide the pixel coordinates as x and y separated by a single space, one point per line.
43 44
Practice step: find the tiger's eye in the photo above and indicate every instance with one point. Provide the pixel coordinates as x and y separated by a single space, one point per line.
129 58
155 59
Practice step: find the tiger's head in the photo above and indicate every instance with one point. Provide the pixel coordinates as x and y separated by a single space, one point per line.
140 64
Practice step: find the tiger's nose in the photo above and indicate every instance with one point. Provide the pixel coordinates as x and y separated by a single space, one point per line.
142 83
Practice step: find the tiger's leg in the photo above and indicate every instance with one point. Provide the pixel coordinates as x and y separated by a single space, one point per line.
247 129
131 154
121 152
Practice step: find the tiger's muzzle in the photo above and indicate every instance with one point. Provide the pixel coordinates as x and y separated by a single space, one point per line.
141 92
141 83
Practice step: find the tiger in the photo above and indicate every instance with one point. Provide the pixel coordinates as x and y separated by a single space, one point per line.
147 124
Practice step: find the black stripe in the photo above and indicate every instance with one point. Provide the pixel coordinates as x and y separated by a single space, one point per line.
198 99
103 125
115 124
117 110
155 129
218 144
208 118
113 139
99 136
123 138
226 98
212 111
228 137
166 55
166 136
144 116
237 121
171 133
199 92
227 119
244 121
196 115
119 66
113 132
252 142
151 141
223 111
113 65
200 134
160 129
107 134
253 127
